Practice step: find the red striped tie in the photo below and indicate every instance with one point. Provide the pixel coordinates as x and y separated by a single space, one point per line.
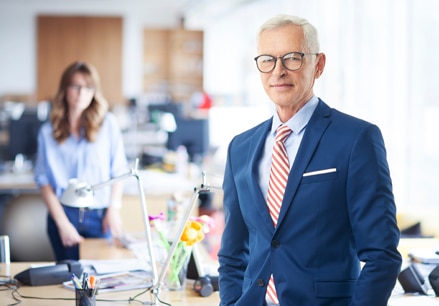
280 169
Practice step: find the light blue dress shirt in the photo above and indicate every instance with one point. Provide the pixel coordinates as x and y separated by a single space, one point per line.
92 162
298 125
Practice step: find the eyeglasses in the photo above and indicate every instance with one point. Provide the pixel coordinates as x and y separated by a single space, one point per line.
291 61
78 88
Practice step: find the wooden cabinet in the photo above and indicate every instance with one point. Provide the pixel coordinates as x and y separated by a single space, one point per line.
62 40
173 62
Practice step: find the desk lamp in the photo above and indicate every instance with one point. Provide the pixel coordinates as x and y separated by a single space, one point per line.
203 187
79 194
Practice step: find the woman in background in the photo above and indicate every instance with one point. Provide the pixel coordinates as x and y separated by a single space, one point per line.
82 140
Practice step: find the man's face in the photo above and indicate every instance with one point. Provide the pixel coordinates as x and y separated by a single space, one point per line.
289 90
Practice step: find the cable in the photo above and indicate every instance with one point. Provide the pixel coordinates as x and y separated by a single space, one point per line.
16 293
11 284
134 299
162 302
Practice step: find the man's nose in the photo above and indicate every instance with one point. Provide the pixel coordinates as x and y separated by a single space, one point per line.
279 67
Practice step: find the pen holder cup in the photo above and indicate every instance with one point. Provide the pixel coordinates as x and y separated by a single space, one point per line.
85 297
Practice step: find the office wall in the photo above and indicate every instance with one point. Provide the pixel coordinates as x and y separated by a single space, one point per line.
381 66
18 37
64 40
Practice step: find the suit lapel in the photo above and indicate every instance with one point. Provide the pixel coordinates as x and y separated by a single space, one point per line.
254 155
317 125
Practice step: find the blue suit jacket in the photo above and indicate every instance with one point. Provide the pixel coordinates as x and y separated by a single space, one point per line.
328 222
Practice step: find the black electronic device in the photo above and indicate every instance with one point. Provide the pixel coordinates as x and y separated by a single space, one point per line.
205 285
23 134
433 277
174 108
193 268
50 275
192 134
412 280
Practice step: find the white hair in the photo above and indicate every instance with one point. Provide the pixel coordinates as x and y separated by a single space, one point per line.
309 31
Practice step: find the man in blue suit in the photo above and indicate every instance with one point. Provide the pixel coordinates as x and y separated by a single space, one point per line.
336 237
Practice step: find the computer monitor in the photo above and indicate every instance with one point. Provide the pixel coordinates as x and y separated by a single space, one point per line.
193 134
174 108
23 134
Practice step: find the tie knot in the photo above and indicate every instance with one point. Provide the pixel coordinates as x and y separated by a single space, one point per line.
282 132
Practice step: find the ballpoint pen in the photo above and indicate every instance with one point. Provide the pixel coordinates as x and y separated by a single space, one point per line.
76 282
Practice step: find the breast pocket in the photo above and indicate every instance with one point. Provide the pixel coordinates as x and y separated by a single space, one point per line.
319 176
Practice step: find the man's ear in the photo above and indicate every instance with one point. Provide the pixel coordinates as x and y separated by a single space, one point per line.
320 66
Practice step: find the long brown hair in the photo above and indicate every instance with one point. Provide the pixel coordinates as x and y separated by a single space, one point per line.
93 115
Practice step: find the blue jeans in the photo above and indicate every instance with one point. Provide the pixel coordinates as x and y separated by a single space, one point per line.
88 223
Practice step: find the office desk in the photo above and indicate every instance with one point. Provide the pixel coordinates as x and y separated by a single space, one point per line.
408 244
99 249
42 294
95 248
175 298
102 249
17 182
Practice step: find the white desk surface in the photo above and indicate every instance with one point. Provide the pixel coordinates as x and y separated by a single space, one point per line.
17 181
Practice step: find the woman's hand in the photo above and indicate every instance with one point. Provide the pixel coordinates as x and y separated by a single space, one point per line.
113 222
69 235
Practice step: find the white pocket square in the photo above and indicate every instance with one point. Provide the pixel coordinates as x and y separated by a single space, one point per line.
320 172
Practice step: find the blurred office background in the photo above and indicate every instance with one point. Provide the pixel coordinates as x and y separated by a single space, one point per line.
381 66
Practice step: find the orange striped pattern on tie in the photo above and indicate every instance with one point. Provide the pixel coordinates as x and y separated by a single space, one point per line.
280 169
271 291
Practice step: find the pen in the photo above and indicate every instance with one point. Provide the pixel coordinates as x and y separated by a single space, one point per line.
91 281
76 282
84 277
96 286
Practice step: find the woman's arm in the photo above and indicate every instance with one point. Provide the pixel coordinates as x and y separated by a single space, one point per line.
68 233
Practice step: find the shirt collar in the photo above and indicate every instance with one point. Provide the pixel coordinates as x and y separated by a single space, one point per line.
299 121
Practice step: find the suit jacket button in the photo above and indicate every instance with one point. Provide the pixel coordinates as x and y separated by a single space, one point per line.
261 283
275 243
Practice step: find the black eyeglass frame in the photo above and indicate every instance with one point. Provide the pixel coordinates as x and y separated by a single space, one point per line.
302 55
